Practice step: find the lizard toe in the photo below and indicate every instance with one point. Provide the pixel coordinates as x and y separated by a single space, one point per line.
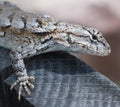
23 82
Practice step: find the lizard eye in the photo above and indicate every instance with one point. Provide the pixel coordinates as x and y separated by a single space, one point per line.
94 37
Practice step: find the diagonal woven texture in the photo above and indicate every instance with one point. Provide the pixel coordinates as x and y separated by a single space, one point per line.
4 63
4 58
65 81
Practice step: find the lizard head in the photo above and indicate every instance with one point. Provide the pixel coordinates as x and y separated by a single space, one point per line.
84 40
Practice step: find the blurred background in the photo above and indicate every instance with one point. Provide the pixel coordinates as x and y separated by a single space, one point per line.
101 14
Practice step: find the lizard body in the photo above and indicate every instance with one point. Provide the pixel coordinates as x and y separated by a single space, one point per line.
27 34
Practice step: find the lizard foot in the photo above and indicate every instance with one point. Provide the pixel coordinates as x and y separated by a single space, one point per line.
23 82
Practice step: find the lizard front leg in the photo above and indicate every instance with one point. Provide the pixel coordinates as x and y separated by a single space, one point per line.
22 77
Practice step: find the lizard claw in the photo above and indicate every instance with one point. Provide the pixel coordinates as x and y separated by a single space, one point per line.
23 82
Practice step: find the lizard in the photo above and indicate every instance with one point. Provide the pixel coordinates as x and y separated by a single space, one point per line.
28 34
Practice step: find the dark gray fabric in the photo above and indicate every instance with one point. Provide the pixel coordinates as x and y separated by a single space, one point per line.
4 63
65 81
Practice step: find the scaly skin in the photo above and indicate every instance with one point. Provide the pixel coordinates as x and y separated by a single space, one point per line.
27 34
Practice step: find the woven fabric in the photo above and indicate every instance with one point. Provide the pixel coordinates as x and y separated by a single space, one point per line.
65 81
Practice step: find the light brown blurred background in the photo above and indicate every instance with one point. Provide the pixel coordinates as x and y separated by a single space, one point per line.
101 14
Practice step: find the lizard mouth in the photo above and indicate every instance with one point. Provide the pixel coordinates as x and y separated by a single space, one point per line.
105 52
105 49
98 50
